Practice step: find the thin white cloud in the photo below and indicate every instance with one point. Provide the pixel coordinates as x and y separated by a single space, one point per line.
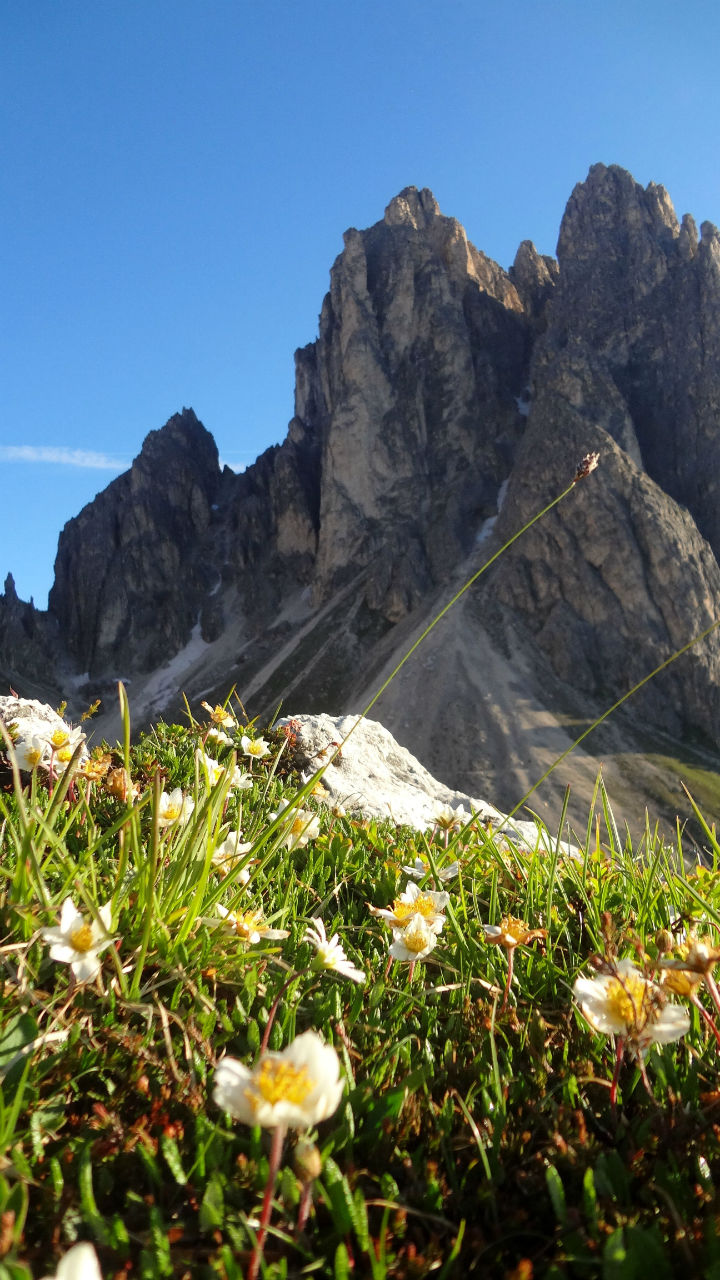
60 455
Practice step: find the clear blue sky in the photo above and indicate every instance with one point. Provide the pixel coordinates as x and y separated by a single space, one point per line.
178 175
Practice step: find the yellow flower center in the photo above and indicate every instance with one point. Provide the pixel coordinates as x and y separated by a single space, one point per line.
34 756
415 937
515 929
627 1000
255 749
681 982
172 812
422 906
59 738
64 754
81 939
248 923
279 1081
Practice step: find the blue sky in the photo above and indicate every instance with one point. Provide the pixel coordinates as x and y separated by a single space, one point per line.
178 175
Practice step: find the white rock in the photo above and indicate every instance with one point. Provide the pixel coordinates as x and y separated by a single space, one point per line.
376 777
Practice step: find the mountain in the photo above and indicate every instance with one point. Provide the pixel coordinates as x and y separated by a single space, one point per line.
444 402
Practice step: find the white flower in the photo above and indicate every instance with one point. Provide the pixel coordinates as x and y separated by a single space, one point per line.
304 826
241 781
330 952
79 1263
218 735
413 901
212 769
415 941
258 748
249 925
63 737
30 752
174 807
626 1003
227 855
78 942
449 819
296 1088
420 869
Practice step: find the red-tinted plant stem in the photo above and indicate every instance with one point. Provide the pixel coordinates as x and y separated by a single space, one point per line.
508 980
274 1007
275 1154
616 1075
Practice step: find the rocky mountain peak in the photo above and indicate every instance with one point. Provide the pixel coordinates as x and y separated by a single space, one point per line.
412 208
129 580
444 402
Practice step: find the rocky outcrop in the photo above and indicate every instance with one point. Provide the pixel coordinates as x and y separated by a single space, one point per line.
442 404
28 641
130 581
422 354
629 365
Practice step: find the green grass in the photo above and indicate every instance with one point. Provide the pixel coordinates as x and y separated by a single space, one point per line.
469 1140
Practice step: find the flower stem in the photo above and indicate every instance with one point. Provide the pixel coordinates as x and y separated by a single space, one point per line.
707 1016
616 1075
304 1207
275 1154
274 1006
508 980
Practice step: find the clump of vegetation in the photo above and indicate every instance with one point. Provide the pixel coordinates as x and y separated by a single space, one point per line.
243 1034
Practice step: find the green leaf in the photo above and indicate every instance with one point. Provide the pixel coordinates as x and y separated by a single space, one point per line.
212 1208
15 1036
557 1193
616 1265
342 1263
169 1148
590 1202
339 1197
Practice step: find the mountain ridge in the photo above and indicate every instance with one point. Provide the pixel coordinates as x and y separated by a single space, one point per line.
442 404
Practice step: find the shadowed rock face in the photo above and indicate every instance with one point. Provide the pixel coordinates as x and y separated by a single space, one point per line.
629 365
443 403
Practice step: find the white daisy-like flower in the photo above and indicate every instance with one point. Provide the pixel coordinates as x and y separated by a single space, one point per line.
219 736
449 819
241 781
414 942
174 807
626 1003
330 953
79 1263
78 942
249 925
420 868
294 1089
304 825
413 901
212 769
31 752
257 748
228 854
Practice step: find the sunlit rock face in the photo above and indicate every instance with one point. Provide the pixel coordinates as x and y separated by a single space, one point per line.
420 362
443 403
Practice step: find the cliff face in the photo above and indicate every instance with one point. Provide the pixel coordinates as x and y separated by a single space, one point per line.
443 403
422 354
629 364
